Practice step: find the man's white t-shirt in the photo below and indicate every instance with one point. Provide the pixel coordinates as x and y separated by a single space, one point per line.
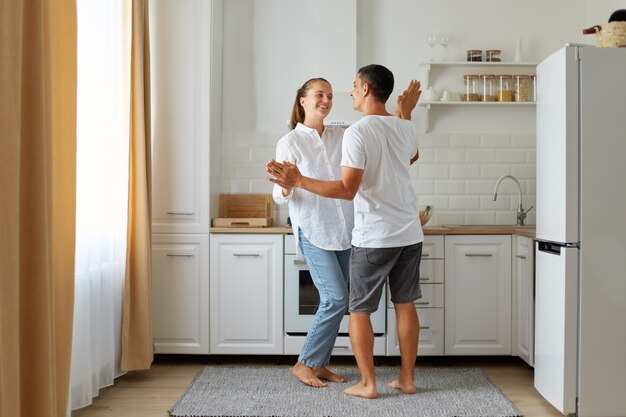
385 206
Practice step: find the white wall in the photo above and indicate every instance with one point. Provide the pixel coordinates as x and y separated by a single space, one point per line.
272 46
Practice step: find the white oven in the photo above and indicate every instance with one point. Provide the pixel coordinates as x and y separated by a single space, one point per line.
301 300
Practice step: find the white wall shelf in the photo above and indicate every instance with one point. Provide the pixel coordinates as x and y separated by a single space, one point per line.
474 116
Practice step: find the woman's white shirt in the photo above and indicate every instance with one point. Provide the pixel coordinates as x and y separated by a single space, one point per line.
327 223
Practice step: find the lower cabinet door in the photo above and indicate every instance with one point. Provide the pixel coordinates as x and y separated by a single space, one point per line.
246 294
431 332
180 293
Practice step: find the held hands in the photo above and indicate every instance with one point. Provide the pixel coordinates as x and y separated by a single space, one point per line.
408 100
286 175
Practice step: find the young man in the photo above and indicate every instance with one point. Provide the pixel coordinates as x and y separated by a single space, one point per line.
387 236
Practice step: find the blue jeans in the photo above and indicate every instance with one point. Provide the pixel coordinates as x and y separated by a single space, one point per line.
329 271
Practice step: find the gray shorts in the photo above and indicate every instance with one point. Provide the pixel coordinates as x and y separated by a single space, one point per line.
371 267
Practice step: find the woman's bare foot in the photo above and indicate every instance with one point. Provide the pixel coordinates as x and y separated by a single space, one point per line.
328 375
307 376
409 388
361 390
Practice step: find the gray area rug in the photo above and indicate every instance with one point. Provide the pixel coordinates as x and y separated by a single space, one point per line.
220 391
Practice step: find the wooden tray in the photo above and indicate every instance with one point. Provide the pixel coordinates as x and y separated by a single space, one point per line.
242 222
245 210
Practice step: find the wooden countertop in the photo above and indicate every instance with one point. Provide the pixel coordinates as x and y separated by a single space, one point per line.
528 231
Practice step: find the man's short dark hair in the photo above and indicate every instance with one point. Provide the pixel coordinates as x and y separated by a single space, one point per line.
380 80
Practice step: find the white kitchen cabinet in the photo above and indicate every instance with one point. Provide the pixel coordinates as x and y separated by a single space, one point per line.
246 294
523 298
477 116
430 308
478 295
180 293
183 87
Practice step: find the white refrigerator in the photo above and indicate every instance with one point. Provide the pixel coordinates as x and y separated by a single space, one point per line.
580 309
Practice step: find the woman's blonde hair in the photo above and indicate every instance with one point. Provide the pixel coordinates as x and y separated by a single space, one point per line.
297 113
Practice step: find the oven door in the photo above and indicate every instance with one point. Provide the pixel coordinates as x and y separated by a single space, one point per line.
302 300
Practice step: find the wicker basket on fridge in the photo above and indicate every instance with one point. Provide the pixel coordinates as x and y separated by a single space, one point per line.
609 35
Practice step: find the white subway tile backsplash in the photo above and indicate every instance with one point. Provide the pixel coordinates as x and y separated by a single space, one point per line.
508 217
262 155
523 141
480 156
236 187
261 187
434 140
423 186
455 173
433 171
448 217
427 155
464 202
479 187
502 203
511 156
252 171
480 217
494 171
524 171
465 140
495 140
440 202
449 187
449 156
466 172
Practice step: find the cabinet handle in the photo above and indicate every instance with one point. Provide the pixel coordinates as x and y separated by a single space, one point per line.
186 255
176 213
479 254
299 262
424 327
342 347
425 255
421 303
520 256
253 255
425 279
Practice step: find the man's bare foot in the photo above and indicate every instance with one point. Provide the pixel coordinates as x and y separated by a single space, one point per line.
361 390
406 388
307 376
328 375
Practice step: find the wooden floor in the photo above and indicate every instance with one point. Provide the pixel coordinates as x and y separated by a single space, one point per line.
153 392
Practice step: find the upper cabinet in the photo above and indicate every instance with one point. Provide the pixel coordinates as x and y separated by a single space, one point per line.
454 114
183 68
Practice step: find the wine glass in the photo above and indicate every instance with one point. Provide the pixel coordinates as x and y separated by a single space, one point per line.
431 40
444 40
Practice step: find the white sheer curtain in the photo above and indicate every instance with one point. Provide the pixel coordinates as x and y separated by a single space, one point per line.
102 193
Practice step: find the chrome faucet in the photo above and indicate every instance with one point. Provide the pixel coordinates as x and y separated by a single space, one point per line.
521 214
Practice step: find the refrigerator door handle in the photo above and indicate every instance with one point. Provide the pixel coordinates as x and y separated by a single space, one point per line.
554 248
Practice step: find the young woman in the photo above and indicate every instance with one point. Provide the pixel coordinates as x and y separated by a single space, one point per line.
322 227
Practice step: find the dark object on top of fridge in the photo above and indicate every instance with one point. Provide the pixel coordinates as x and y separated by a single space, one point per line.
618 16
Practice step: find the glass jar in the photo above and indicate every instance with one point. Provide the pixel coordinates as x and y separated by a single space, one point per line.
474 55
533 88
471 87
488 82
521 87
492 55
505 87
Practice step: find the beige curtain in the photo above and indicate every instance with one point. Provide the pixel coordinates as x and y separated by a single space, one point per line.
137 345
37 204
